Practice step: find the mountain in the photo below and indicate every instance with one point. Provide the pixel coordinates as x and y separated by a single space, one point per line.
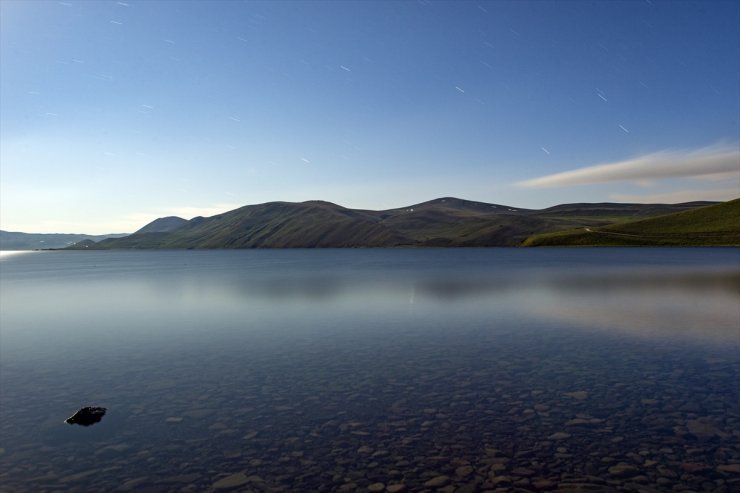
710 225
163 225
272 225
10 240
443 222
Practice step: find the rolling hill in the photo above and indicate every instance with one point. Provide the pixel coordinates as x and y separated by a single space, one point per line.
11 240
712 225
444 222
163 225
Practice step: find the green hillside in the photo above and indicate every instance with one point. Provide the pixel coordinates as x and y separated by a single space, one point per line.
713 225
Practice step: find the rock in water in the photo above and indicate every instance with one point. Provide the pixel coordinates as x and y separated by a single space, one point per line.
86 416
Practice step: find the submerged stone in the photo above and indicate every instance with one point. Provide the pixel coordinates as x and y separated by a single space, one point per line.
232 481
578 395
437 481
623 470
86 416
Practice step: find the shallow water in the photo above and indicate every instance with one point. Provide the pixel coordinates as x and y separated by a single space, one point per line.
337 370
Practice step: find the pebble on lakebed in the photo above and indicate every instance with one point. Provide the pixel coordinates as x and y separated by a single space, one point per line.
86 416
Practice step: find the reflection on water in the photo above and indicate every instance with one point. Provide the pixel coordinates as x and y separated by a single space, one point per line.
338 370
9 253
657 304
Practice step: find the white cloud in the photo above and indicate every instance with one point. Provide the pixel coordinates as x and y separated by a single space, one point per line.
704 163
729 176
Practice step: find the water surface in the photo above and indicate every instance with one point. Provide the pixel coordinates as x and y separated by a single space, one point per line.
337 370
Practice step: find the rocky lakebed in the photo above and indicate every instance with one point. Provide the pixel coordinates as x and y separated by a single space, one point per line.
478 411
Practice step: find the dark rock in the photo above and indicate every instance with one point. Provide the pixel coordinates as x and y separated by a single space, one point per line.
86 416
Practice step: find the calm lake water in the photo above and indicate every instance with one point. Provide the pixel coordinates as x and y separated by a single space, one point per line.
455 370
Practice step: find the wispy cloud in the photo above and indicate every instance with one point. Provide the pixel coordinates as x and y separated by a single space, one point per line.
701 163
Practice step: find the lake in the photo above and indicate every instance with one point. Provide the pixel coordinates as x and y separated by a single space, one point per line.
453 370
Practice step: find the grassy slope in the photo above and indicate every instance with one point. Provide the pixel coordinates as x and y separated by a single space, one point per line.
449 222
714 225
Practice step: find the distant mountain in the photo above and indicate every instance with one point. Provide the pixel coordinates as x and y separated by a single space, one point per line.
316 224
710 225
34 241
163 225
621 211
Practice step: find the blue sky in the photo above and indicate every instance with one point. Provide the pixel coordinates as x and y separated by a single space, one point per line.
113 113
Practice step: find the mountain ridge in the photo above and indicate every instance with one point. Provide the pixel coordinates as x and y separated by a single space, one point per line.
442 222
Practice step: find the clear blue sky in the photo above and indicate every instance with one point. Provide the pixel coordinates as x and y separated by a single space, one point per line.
113 113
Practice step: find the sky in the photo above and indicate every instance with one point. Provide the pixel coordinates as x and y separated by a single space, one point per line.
114 113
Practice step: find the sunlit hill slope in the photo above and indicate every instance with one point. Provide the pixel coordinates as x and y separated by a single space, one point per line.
714 225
